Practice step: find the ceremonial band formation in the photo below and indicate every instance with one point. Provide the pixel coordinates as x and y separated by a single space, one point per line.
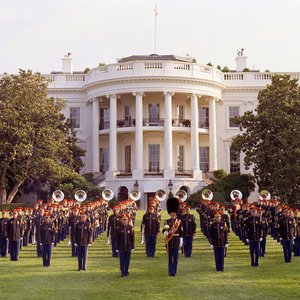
47 224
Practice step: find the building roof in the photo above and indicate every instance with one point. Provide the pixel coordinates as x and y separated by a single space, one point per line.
155 57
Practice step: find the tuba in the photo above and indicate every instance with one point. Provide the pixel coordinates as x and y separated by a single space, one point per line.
80 195
58 196
207 194
181 194
107 194
236 194
160 195
135 195
264 195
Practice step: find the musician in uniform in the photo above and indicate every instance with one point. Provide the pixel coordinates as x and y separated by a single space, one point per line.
125 244
173 231
218 239
297 233
3 234
113 222
15 233
73 220
188 222
47 238
253 235
265 230
150 229
83 238
286 233
37 222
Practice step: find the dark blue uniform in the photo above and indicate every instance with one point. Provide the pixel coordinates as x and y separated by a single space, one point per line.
297 239
188 222
173 246
253 234
83 237
73 220
15 232
151 229
3 237
113 223
125 244
38 221
218 233
286 232
265 229
47 235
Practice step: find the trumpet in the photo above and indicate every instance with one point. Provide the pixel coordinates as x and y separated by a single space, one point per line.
135 195
107 194
181 194
236 194
58 196
207 194
80 195
160 195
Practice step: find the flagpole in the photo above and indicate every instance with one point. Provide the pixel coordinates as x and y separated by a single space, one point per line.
155 13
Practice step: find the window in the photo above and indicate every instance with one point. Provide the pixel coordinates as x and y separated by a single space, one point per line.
75 116
104 160
128 159
127 116
233 112
153 113
203 117
179 112
204 159
154 158
180 158
104 118
234 161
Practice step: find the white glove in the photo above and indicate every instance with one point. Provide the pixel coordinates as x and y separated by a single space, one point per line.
40 244
226 245
280 239
260 239
165 233
69 243
75 244
89 245
117 251
247 240
211 246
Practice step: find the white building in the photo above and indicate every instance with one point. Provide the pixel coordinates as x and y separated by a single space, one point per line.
155 118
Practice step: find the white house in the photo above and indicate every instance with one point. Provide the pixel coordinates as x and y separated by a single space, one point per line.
159 121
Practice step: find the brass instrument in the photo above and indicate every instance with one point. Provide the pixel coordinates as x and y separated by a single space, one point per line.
160 195
107 194
236 194
181 194
207 194
80 195
58 196
135 195
264 195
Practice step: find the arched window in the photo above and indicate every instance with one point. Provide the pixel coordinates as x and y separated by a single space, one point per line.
123 193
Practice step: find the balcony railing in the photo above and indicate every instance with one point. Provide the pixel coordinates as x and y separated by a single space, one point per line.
203 124
153 122
153 173
124 173
181 123
126 123
183 173
104 125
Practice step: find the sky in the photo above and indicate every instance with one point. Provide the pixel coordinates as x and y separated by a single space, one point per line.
36 34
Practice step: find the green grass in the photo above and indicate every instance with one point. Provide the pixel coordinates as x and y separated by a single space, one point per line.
196 279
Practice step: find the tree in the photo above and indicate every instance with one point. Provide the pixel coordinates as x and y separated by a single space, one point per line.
271 138
33 139
223 185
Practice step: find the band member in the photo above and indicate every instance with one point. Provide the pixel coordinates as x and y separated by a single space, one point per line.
219 239
253 235
297 233
83 238
125 244
264 229
3 234
286 231
28 223
15 232
73 220
38 221
113 222
188 222
150 225
173 231
47 235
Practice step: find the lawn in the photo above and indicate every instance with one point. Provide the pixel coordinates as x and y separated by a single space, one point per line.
196 279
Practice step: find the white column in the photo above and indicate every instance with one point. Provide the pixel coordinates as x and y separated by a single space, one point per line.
139 162
195 136
212 135
112 135
95 136
168 140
